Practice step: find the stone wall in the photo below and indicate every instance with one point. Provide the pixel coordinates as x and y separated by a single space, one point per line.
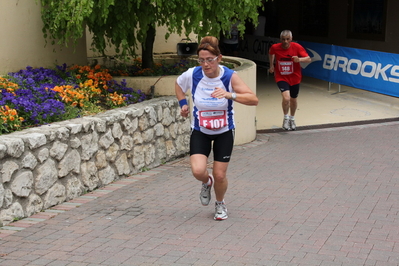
45 166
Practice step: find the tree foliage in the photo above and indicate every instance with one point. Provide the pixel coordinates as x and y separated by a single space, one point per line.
125 24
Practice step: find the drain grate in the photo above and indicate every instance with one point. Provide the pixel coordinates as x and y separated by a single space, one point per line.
130 210
134 211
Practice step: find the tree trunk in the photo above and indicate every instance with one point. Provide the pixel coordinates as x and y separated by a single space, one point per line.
147 48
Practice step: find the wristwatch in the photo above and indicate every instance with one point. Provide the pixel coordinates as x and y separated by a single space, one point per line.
233 96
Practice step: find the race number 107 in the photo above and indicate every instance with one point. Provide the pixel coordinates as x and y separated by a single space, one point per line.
213 119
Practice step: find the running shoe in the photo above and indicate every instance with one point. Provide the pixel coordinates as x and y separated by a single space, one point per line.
286 124
292 125
220 211
205 194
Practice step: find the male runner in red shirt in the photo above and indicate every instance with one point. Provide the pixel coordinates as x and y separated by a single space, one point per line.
284 61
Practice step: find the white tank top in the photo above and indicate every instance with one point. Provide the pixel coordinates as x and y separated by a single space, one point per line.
210 115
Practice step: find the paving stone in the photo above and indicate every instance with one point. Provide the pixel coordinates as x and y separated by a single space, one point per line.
311 197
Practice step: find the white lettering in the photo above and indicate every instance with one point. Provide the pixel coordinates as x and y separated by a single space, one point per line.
342 65
364 72
329 61
381 71
221 122
367 69
395 73
217 123
357 69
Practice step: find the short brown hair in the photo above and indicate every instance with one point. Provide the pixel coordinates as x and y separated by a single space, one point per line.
209 43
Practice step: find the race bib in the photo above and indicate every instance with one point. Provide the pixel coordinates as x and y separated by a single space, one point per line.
212 119
286 67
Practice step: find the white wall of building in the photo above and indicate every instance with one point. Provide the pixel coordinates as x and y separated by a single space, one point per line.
22 43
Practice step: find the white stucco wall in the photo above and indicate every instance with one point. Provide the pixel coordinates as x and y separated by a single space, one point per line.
22 42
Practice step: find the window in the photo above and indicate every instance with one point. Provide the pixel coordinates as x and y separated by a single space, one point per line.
367 19
314 18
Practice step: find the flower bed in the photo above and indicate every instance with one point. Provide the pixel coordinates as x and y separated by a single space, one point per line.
37 96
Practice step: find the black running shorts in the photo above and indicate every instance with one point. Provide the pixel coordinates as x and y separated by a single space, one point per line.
284 86
201 143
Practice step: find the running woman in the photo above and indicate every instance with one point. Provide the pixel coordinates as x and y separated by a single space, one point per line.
214 89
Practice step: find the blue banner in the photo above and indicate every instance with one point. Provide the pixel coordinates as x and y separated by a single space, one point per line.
362 69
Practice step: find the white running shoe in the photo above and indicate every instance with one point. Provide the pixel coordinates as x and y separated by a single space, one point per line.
220 211
205 194
286 124
292 125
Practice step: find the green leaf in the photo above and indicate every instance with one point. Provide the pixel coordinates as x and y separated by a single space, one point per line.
124 23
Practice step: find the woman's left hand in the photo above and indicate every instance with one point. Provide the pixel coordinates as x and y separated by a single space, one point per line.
220 93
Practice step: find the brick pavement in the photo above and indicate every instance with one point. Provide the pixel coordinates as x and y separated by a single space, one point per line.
312 197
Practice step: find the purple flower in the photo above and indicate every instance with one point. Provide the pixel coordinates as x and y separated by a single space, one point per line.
38 104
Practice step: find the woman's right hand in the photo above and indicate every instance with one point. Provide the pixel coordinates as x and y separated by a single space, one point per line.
184 111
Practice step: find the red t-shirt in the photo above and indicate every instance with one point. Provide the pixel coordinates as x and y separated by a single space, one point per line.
285 69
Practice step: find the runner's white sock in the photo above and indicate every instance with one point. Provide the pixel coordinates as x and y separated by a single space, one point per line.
292 117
